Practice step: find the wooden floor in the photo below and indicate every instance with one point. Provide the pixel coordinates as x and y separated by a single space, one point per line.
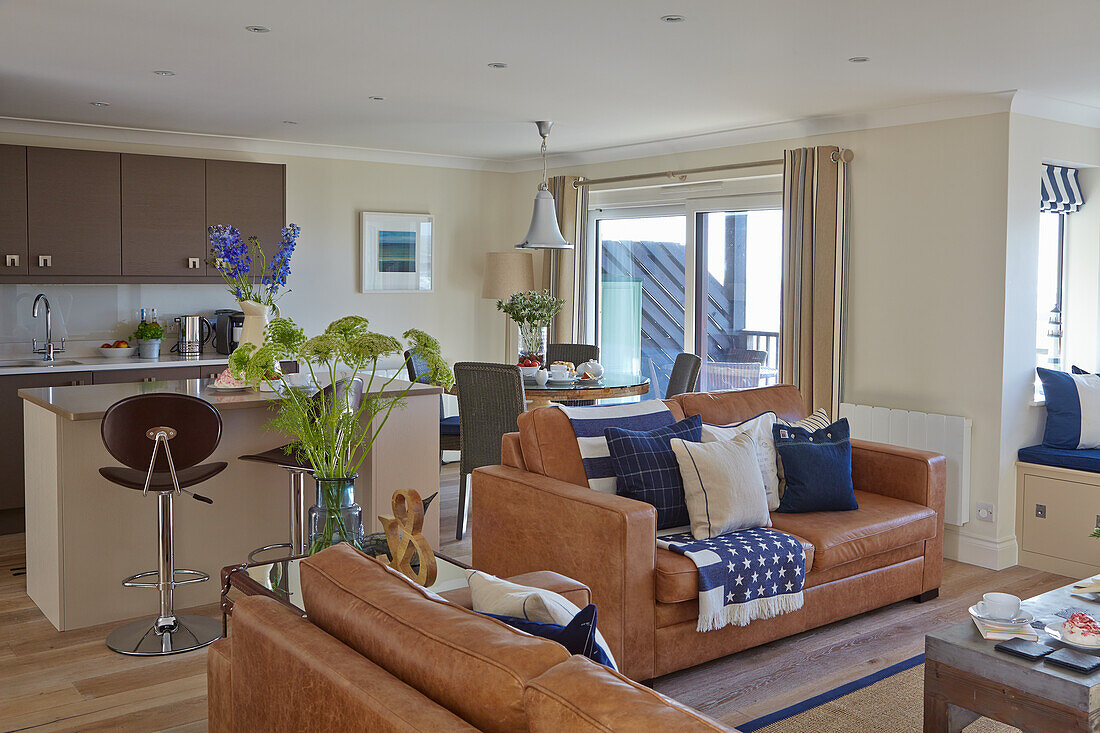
51 681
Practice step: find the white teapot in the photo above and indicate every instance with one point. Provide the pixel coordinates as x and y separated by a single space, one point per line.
591 366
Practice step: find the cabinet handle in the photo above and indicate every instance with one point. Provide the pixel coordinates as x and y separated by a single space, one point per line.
76 383
45 260
11 260
193 263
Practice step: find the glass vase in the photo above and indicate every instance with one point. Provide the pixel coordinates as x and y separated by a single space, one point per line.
334 516
532 342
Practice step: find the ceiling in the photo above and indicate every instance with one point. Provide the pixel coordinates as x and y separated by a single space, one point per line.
608 72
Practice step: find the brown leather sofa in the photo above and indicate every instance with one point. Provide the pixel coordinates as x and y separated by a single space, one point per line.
379 653
536 512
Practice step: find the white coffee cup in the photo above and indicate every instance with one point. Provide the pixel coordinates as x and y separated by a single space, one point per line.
1001 605
559 371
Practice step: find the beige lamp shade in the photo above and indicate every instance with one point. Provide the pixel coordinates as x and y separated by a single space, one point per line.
507 273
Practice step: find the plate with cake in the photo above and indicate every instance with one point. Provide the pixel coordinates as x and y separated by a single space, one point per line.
226 382
1079 630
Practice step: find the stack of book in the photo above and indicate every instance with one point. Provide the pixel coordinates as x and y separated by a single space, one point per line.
997 631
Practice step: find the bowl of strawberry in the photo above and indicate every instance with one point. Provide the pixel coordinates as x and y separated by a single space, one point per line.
528 365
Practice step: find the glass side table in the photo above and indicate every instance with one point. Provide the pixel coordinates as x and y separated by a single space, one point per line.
280 579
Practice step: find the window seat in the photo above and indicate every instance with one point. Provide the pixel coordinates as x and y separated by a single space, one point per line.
1080 460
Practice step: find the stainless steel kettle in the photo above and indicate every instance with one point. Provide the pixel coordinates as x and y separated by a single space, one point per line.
194 332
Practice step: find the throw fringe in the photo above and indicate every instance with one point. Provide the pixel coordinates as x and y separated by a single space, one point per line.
712 619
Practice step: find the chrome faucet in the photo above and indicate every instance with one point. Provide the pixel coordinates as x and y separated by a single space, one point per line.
48 349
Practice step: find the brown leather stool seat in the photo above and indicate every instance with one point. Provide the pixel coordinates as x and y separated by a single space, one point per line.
278 457
162 480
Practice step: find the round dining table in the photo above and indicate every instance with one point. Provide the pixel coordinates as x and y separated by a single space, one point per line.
610 386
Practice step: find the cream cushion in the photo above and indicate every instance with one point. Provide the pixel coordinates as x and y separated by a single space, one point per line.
490 594
760 428
723 488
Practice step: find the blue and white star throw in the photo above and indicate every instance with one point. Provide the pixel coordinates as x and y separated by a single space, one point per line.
745 575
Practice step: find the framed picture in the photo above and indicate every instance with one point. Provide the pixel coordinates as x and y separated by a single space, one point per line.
396 252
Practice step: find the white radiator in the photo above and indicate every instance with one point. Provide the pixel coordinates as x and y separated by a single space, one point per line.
939 433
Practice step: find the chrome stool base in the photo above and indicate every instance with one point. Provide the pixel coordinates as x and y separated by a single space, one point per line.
141 638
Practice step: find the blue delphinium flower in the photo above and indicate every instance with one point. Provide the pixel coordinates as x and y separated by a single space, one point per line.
280 263
230 252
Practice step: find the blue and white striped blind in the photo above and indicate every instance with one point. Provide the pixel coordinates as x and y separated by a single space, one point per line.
1061 193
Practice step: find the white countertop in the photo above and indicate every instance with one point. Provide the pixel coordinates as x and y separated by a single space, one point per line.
35 365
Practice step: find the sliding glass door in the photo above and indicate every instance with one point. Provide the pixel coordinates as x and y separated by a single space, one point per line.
704 275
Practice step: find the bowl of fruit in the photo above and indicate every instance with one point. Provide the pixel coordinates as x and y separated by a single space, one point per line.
118 350
528 365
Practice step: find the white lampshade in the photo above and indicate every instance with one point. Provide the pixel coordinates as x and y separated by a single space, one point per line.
507 273
544 232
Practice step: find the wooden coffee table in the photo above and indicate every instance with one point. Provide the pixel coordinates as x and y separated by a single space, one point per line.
964 678
279 579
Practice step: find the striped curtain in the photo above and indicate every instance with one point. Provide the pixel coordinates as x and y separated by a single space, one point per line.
1061 193
815 285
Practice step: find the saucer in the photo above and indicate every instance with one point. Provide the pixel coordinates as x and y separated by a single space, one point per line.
1023 618
1055 630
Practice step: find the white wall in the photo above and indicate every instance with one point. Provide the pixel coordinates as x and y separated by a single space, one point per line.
324 198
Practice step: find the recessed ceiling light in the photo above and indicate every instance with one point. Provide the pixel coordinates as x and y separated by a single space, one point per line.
289 122
859 59
377 99
100 104
498 65
164 72
673 18
257 29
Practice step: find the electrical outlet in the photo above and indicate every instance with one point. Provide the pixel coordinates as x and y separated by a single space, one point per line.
1041 512
985 512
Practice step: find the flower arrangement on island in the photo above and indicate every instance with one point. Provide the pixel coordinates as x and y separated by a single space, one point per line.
334 430
532 311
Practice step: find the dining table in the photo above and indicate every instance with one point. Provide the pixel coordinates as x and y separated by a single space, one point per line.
610 386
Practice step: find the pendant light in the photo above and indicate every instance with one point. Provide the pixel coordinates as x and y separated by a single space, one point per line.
544 232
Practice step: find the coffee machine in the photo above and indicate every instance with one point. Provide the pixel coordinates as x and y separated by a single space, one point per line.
194 332
227 330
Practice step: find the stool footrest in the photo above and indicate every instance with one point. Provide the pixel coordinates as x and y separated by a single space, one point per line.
197 577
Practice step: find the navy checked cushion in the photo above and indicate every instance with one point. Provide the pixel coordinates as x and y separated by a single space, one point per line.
449 425
646 468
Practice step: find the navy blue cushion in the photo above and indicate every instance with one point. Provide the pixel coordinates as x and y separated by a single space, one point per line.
1073 409
448 425
578 636
1078 370
1082 460
817 467
646 469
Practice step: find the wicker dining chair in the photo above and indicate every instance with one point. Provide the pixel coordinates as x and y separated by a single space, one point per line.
448 426
685 375
576 353
490 400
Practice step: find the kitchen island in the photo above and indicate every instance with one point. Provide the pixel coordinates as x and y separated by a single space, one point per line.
85 534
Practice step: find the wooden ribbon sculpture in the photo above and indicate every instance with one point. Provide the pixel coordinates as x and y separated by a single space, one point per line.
404 535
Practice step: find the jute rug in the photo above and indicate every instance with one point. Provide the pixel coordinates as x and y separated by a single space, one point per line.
890 700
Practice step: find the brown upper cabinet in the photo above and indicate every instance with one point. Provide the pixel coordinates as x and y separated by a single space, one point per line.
163 216
13 210
249 196
74 213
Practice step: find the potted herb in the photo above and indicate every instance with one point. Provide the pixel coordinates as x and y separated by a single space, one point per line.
333 433
148 334
532 311
250 278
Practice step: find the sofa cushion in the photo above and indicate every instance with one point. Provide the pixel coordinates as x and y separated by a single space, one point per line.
880 524
581 696
470 664
646 468
550 445
731 406
677 578
1081 460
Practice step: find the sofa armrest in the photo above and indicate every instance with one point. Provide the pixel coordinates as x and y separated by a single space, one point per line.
523 522
219 687
912 475
312 681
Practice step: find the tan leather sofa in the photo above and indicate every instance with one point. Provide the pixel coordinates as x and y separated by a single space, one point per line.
379 653
536 512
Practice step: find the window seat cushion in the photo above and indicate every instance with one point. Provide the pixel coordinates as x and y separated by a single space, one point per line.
1080 460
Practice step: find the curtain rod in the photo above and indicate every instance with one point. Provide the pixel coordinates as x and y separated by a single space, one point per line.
844 155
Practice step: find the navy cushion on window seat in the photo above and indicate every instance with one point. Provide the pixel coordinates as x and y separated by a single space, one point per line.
1081 459
449 425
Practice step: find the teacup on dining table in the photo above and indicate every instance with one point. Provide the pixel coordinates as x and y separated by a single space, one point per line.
559 372
1002 606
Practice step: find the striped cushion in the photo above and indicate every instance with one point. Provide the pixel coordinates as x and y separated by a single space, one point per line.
589 424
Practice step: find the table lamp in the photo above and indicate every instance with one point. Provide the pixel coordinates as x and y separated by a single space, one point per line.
507 273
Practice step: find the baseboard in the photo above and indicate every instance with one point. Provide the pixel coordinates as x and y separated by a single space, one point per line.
1057 565
980 551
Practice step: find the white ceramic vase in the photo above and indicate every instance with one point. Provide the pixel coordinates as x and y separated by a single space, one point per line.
256 317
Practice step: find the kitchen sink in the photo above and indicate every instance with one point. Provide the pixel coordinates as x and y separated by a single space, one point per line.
37 363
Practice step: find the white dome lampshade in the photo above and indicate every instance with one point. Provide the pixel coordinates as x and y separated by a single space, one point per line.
544 232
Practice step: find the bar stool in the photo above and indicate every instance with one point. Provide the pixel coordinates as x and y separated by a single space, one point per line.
194 429
352 391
